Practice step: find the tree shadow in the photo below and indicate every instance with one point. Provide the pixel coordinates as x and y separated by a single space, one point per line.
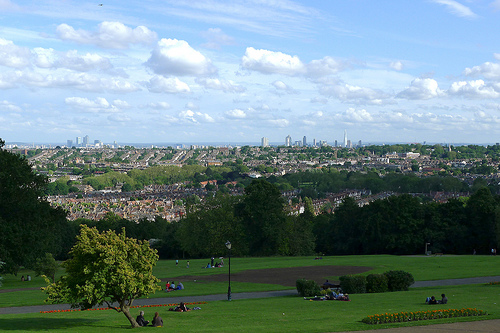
42 324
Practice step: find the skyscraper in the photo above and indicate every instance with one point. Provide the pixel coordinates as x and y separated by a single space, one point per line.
86 140
265 142
304 142
345 138
288 141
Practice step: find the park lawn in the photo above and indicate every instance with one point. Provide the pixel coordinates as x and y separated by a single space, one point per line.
421 267
280 314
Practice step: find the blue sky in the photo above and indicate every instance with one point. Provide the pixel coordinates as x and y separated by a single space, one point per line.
237 71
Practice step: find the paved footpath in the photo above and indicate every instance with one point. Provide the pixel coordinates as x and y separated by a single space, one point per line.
485 326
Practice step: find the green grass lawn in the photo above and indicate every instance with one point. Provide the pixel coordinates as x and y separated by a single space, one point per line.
422 268
282 314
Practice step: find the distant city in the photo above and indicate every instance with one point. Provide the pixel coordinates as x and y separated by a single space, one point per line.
85 142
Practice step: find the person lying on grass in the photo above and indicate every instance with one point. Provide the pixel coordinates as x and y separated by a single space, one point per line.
181 308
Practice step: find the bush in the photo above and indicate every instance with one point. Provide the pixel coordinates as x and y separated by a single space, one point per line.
353 284
376 283
399 280
307 288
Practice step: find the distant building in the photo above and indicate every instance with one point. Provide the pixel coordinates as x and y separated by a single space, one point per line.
265 142
345 138
314 142
79 141
69 143
288 141
304 141
86 140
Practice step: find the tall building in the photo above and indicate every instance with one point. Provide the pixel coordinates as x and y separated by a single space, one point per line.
69 143
314 143
86 140
345 138
79 141
304 141
288 141
265 142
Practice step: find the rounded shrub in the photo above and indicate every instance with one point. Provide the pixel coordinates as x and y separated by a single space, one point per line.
307 288
353 284
399 280
376 283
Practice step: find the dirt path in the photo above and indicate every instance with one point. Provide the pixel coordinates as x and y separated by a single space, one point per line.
282 276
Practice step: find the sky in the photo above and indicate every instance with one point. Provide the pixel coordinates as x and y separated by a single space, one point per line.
233 71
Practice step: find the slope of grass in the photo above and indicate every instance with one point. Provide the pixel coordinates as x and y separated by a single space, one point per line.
282 314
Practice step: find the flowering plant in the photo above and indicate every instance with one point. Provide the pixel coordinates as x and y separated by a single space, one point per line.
421 315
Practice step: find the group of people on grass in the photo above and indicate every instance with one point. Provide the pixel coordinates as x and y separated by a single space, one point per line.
170 286
433 300
157 321
27 278
331 296
214 263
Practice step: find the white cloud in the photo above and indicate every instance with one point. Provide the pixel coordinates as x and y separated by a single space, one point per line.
121 104
473 89
347 92
215 38
160 84
325 66
235 114
357 115
283 87
269 62
47 58
457 8
8 106
396 65
100 104
14 56
112 35
176 57
421 89
220 84
489 70
279 122
159 106
195 117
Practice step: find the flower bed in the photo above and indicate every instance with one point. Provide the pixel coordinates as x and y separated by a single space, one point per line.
132 307
421 315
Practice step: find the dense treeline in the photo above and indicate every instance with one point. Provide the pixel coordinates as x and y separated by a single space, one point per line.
403 225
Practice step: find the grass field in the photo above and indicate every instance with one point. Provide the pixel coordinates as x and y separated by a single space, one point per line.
282 314
266 315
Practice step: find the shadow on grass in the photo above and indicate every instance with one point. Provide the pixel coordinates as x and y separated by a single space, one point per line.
40 324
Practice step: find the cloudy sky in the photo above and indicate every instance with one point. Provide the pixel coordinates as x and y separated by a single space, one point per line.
238 70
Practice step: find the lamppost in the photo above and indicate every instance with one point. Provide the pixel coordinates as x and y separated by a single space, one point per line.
228 245
426 253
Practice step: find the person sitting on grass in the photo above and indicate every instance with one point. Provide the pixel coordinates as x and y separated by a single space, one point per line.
443 300
141 321
180 286
433 300
157 321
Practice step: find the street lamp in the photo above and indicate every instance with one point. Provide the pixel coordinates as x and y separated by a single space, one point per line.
228 245
426 253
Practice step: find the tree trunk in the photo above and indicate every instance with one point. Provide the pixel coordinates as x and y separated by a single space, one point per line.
126 312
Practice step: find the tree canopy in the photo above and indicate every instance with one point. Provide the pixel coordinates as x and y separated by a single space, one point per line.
29 226
106 268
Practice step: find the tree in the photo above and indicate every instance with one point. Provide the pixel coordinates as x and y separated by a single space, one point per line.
265 221
29 226
106 268
47 266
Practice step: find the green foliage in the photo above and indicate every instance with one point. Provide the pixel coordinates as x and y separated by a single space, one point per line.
307 288
29 225
398 280
47 266
106 268
376 283
353 284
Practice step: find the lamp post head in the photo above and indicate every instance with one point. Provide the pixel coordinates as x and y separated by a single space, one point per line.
228 245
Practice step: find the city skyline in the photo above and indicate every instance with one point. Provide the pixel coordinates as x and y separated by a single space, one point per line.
238 71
